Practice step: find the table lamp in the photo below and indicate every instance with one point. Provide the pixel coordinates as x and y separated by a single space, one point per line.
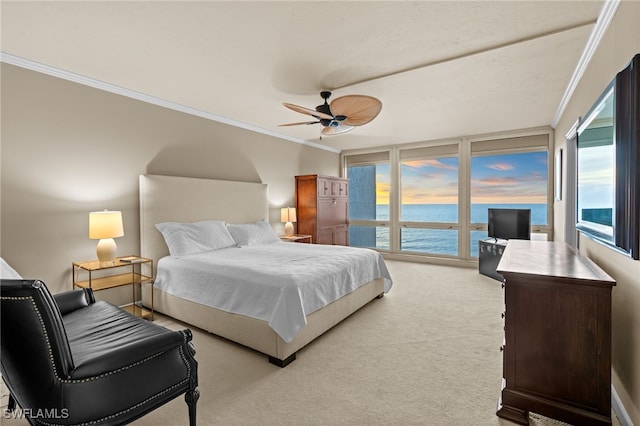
105 226
288 215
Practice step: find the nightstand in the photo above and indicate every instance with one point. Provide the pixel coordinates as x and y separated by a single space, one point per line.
297 238
126 270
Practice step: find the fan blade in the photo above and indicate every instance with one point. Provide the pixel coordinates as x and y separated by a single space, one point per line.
308 111
359 109
336 130
297 124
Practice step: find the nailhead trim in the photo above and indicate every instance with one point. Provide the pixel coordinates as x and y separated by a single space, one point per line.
44 330
88 379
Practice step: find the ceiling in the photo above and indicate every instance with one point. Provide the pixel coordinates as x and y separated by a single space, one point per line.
441 68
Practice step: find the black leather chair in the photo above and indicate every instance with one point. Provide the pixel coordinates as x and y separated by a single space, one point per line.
69 360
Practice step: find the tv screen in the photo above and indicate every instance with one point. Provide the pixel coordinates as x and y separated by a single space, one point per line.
506 224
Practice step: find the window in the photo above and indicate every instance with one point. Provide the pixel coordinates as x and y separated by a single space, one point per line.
429 195
511 181
608 152
512 174
596 157
369 181
432 199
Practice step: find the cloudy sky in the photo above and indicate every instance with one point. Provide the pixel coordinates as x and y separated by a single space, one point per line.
495 179
595 178
509 179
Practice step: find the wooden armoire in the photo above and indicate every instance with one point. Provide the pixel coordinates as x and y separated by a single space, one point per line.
322 206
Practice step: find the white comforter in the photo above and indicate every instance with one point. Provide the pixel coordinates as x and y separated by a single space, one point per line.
276 282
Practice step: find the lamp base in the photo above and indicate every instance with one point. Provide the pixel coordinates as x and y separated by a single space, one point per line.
288 229
106 251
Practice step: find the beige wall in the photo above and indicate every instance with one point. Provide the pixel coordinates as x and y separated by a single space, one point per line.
619 45
69 149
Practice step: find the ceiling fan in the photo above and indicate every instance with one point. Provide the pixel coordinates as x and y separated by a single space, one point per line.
343 114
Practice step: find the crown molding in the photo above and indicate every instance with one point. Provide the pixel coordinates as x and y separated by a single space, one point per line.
605 17
123 91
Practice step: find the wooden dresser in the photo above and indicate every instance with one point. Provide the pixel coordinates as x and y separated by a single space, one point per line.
322 204
557 347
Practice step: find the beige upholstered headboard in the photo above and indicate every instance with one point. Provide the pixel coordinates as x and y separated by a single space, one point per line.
181 199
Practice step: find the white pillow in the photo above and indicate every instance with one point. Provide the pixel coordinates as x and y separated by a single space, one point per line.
7 272
198 237
252 233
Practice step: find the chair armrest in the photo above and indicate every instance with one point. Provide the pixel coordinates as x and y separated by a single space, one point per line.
131 353
69 301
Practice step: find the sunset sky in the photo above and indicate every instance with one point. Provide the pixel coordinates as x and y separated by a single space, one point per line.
432 181
509 179
496 179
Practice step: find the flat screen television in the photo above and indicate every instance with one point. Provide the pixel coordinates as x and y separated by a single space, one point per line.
506 224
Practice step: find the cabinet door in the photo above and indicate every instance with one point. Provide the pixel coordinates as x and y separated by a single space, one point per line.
343 188
324 187
325 235
341 235
331 212
341 210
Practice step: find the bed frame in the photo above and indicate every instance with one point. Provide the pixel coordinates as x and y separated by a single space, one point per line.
180 199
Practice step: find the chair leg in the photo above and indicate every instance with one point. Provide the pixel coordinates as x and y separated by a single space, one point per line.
191 397
11 404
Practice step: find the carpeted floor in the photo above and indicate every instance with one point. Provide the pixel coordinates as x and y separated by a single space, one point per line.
425 354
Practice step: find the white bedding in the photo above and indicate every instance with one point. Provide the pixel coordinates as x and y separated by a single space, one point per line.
278 282
7 272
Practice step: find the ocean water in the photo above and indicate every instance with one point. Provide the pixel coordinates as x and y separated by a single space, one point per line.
437 241
448 213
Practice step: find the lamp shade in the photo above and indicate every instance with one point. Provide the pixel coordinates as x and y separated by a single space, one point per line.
105 224
288 214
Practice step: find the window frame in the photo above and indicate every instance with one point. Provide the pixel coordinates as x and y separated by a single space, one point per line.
587 227
493 144
625 237
502 148
371 158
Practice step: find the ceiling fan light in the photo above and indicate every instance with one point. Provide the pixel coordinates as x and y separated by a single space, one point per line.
350 111
335 130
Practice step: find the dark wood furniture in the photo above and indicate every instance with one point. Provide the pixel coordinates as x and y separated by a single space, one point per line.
322 204
557 347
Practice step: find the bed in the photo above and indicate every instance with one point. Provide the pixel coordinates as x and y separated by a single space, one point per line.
183 287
